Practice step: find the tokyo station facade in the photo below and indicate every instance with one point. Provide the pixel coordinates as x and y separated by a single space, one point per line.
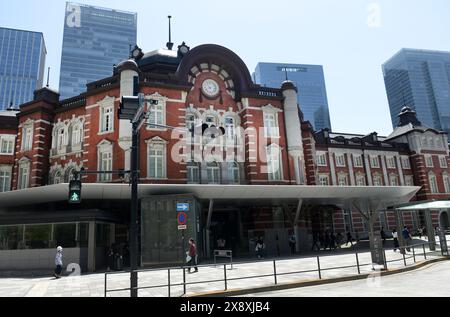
281 179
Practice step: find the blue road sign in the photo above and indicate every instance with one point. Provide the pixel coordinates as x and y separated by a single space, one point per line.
182 207
182 218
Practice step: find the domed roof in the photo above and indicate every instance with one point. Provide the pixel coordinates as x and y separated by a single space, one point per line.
127 65
288 85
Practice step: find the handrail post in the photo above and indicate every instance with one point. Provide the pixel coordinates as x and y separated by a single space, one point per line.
424 253
414 253
275 271
318 267
106 280
357 263
385 259
184 281
168 278
225 276
404 258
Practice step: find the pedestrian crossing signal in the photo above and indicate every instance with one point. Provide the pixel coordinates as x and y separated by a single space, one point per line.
75 192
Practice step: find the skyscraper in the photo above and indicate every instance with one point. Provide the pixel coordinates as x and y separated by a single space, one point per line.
22 65
94 40
310 81
420 79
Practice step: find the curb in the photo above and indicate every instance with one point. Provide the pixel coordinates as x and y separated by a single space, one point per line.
311 282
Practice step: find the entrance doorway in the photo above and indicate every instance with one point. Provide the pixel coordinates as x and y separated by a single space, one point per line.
444 220
225 225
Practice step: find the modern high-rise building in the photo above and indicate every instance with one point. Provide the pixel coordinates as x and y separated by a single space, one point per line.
420 79
310 81
22 65
94 40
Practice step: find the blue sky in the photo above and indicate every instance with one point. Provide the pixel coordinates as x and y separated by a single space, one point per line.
348 37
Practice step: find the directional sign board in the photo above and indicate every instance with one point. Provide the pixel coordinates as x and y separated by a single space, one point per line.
182 219
182 207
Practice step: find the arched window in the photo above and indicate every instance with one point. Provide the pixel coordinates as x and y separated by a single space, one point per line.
446 180
213 171
57 177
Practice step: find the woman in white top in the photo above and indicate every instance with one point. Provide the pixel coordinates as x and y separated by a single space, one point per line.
395 236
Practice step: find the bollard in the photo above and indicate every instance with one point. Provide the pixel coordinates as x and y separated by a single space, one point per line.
168 277
318 267
225 276
184 281
275 271
357 264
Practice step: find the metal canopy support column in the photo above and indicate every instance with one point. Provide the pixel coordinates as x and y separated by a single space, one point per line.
208 229
430 230
296 221
400 225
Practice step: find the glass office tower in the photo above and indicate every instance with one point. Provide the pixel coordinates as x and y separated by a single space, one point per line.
94 40
421 80
310 81
22 66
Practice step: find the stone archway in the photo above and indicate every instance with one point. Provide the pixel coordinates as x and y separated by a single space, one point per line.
444 220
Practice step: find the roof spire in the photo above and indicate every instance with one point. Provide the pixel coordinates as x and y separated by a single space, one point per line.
170 44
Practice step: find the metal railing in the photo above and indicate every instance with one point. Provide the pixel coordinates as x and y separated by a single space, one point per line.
419 251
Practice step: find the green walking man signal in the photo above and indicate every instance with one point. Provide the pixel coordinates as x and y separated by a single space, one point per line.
75 192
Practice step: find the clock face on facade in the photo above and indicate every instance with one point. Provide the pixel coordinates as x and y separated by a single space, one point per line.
210 88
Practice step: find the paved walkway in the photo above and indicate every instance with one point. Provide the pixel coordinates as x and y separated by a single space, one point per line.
429 281
93 285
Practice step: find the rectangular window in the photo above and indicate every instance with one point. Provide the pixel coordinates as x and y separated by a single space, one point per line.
23 176
443 161
321 159
391 162
107 119
340 160
405 163
193 174
213 173
394 180
27 138
6 145
342 180
5 181
377 181
433 184
360 181
409 180
446 180
374 162
323 180
105 165
271 125
157 161
274 163
357 160
429 161
156 115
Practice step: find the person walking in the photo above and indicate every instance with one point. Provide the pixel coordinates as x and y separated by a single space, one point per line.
260 248
339 240
383 235
192 256
58 262
316 243
395 236
349 238
407 236
293 244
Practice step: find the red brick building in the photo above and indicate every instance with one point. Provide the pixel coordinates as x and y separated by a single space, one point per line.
266 142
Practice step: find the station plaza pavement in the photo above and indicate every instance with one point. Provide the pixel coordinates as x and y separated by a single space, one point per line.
92 285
